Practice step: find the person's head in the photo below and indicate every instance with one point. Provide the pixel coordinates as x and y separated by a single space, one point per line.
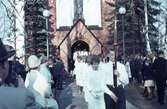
33 62
119 59
4 65
161 54
94 61
79 58
43 59
111 55
107 59
50 61
83 59
11 50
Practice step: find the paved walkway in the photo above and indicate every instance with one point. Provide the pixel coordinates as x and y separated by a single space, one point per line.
134 97
69 98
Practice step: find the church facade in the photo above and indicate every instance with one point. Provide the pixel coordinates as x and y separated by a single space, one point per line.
77 25
87 26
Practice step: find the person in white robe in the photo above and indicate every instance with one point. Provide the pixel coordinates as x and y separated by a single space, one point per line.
78 73
38 84
75 55
128 70
77 70
122 75
96 85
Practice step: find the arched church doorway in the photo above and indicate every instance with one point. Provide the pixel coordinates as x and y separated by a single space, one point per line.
77 46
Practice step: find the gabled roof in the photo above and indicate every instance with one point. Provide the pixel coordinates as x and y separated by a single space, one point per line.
88 29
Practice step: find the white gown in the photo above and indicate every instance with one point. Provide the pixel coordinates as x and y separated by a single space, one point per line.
79 73
128 69
123 78
107 68
95 88
86 69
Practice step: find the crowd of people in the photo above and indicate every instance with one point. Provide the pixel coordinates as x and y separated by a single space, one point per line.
32 86
94 77
101 79
151 71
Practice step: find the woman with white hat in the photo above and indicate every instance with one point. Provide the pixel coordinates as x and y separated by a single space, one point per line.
38 84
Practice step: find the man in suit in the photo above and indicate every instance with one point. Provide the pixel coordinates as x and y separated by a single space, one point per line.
10 97
160 75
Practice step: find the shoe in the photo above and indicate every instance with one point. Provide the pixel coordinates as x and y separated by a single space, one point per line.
145 95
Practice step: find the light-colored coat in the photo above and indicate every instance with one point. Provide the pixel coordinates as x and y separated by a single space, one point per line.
46 73
38 84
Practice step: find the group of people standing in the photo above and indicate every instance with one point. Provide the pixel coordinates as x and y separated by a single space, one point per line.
39 81
95 77
151 71
34 90
159 75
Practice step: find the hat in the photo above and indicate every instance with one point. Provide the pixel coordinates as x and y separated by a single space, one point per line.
4 53
160 52
33 61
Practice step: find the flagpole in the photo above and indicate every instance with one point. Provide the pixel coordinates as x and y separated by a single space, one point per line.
115 47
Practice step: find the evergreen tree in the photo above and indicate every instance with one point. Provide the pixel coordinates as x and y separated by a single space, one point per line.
132 26
153 7
133 38
35 27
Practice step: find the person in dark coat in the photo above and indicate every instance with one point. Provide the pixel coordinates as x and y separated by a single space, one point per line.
138 67
10 97
148 78
160 75
132 67
57 73
11 79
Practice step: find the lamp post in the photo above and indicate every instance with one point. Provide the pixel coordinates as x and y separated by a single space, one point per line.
122 11
46 14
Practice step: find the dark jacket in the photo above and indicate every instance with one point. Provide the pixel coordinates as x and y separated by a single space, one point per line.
147 70
58 68
160 68
12 75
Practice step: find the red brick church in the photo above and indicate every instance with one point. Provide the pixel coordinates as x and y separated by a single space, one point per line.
82 25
